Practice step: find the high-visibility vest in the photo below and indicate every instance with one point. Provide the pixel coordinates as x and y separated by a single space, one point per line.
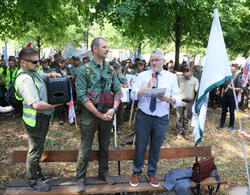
40 68
1 70
10 77
29 113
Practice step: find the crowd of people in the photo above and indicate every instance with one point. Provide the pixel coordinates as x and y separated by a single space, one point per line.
93 80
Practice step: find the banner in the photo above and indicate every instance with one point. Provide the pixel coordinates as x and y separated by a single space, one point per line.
125 94
131 80
72 113
246 70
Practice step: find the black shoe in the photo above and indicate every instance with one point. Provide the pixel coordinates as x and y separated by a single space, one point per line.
80 186
185 137
129 142
46 176
39 186
219 126
108 179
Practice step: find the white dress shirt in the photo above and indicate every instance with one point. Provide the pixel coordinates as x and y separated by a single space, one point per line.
165 80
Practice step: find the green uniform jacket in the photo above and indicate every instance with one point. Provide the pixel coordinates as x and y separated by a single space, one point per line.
89 88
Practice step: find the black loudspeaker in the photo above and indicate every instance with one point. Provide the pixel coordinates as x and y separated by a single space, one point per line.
58 90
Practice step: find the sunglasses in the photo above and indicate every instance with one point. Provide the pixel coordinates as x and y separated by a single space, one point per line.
155 60
33 62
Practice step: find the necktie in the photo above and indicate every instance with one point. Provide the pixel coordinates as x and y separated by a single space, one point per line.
152 105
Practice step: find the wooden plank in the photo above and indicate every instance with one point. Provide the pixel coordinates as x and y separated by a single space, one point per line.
115 155
104 189
95 181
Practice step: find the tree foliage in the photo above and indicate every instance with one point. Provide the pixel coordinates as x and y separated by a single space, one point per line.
185 22
52 22
138 23
160 22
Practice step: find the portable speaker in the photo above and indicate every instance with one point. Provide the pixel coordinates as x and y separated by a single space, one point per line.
58 90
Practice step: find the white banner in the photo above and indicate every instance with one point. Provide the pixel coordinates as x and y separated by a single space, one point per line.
125 94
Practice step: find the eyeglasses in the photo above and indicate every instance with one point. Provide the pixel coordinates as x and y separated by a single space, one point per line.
33 62
155 60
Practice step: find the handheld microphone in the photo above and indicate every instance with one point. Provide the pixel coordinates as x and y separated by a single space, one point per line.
153 76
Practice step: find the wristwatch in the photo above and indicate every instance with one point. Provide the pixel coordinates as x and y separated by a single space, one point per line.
115 109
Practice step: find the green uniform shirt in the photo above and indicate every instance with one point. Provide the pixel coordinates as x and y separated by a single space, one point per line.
122 79
28 90
89 88
188 87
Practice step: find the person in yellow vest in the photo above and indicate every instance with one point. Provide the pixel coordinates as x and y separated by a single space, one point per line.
31 89
44 67
10 73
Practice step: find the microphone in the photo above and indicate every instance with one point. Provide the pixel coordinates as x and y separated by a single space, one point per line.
153 76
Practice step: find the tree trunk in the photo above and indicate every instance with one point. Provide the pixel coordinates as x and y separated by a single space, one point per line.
38 43
177 42
139 48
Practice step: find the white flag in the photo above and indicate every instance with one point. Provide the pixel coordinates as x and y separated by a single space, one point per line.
134 56
51 53
6 55
216 71
246 70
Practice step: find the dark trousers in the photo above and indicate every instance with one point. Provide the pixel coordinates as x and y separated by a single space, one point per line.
153 129
120 116
89 124
183 114
36 139
227 102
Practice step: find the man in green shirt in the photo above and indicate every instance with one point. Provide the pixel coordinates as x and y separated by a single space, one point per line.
188 86
92 78
124 83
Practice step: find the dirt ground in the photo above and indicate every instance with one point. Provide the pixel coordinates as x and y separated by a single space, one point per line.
226 148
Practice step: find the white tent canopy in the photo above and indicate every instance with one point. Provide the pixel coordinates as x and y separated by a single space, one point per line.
70 51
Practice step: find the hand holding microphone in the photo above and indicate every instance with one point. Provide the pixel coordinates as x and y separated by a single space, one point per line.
152 82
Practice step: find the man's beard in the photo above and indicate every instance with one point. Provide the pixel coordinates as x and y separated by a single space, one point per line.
156 69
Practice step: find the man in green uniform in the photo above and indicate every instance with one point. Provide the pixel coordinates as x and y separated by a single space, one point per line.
31 89
188 86
124 83
91 79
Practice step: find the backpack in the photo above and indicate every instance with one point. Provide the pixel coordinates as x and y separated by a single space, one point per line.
11 98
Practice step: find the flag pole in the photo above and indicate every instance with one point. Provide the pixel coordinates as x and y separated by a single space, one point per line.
242 140
115 131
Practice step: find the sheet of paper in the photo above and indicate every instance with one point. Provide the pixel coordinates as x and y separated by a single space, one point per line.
154 92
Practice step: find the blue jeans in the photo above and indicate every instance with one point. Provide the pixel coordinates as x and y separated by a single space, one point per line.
227 102
148 128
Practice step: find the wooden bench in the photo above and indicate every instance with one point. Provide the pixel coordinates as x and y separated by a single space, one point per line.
96 186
